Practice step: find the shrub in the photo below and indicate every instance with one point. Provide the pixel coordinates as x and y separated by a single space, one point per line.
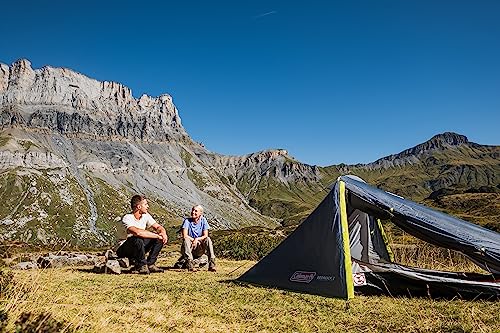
244 246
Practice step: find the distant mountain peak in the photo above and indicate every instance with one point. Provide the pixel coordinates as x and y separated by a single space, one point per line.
411 155
439 141
449 138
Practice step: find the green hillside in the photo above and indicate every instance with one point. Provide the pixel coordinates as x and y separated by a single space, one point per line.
455 169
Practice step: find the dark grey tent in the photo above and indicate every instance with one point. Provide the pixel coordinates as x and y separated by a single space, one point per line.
341 247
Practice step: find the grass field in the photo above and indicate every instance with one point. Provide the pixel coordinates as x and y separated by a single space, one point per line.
180 301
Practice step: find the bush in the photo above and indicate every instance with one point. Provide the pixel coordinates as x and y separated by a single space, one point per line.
245 247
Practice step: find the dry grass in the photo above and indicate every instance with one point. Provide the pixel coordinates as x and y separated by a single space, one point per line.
425 255
205 302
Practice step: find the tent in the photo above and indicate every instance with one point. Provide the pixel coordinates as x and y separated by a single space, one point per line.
342 248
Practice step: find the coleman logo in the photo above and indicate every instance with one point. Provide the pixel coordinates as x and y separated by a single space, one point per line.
303 277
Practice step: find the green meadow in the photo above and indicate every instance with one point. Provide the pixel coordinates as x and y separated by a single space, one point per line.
77 300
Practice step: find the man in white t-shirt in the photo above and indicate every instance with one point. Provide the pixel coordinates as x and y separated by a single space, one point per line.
141 241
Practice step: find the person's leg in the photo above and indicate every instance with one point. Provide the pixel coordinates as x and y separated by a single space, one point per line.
199 257
133 248
187 253
186 249
153 246
209 248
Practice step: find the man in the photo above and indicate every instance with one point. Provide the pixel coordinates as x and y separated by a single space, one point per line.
195 239
141 241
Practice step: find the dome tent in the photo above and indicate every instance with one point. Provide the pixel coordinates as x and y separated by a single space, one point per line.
341 247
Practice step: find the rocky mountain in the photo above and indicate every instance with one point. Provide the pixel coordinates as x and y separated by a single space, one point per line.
73 150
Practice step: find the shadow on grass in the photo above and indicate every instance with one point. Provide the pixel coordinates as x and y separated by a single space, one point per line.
235 282
131 271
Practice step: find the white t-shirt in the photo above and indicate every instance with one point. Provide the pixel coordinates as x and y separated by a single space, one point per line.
144 222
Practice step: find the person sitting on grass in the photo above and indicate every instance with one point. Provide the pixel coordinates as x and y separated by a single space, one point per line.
141 241
195 240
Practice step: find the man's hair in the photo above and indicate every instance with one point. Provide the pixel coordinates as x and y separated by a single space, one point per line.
136 200
199 207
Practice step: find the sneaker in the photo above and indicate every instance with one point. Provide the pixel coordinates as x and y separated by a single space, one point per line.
190 265
211 266
143 269
179 265
155 269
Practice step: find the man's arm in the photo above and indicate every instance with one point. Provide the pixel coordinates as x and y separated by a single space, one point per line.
161 231
143 233
185 234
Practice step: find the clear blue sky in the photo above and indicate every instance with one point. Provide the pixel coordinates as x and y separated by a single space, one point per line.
330 81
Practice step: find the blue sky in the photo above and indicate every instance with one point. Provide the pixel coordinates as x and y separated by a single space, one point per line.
330 81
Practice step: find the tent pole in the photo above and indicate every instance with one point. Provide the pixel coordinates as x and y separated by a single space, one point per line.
345 241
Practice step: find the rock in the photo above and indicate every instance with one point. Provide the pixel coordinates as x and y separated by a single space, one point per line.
49 96
70 259
201 261
52 261
25 265
100 260
113 267
58 119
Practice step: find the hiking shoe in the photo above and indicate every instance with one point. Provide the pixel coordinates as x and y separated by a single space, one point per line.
211 266
190 265
179 265
143 269
155 269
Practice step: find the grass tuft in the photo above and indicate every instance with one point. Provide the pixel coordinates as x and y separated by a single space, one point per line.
31 323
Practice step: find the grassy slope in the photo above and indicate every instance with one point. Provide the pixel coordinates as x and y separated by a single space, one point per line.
479 208
22 200
57 218
291 202
461 168
206 302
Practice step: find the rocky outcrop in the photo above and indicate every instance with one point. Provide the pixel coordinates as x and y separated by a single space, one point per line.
101 140
30 159
275 163
58 260
58 99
